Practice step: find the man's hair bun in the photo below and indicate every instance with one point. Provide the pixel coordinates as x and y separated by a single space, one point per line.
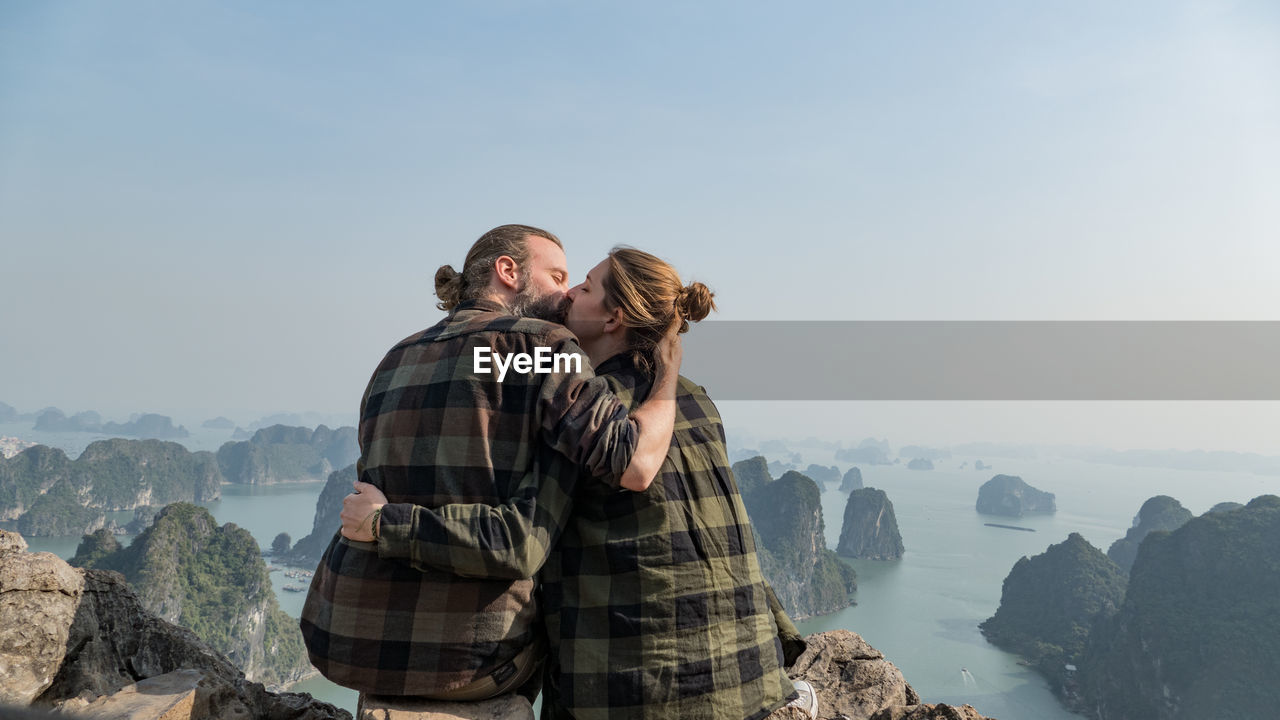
448 287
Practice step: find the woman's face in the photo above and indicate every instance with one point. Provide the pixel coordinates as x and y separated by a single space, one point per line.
587 315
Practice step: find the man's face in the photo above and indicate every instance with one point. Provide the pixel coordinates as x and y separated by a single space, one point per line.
544 282
587 313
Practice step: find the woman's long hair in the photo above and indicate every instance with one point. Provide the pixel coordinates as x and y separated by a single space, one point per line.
652 297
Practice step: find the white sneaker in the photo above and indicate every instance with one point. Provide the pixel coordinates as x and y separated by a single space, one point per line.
807 700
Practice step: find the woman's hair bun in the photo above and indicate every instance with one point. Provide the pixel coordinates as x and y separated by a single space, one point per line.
695 301
448 287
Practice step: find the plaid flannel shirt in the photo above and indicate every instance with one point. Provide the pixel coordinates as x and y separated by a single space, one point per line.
434 431
655 603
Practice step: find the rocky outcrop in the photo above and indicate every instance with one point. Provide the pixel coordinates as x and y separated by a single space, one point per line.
38 598
142 518
48 494
920 464
868 452
822 474
1225 507
188 570
786 514
100 653
307 551
54 420
929 712
218 423
28 475
852 480
10 446
1051 603
69 637
870 529
1196 635
751 475
1158 513
851 678
1008 495
146 425
288 454
778 467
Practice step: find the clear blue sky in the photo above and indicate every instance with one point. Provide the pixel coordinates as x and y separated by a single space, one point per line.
238 206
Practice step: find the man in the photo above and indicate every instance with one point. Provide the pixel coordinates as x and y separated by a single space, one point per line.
444 420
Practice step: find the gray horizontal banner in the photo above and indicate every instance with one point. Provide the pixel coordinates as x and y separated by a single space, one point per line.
984 360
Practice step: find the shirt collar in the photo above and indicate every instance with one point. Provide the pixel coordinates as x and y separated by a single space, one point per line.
482 304
618 364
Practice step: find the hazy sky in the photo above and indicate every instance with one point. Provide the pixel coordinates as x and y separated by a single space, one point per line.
238 207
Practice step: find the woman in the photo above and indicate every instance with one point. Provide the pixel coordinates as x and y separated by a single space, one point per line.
693 633
654 602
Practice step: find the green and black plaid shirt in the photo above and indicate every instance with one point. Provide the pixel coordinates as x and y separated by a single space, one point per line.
655 603
434 431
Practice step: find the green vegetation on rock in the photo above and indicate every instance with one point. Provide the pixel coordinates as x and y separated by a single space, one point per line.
870 528
786 514
60 511
1197 634
212 580
852 480
98 549
288 454
1158 513
307 551
28 475
1009 495
1051 602
50 495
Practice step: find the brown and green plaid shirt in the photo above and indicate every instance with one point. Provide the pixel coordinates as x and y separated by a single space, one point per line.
655 603
434 431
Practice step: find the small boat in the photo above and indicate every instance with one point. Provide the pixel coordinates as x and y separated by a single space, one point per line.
294 588
1010 527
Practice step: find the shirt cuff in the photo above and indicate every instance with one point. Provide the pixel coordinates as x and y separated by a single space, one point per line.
395 531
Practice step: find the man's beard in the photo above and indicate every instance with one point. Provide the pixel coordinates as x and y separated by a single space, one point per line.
530 303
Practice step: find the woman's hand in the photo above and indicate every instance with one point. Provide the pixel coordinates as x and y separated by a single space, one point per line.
358 510
670 351
656 416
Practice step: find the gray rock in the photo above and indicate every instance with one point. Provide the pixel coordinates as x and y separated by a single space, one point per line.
1158 513
852 480
850 677
1008 495
822 474
930 712
68 637
786 515
307 551
38 598
870 529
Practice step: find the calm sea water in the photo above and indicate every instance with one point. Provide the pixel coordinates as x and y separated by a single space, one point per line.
921 611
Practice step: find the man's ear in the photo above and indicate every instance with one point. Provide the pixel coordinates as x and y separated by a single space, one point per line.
507 272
